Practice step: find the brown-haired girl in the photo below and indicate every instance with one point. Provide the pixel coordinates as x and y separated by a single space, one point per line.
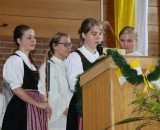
90 35
26 110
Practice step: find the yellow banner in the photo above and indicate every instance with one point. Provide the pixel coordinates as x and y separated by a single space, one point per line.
124 12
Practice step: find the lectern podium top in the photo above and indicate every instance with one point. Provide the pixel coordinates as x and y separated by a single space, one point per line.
108 63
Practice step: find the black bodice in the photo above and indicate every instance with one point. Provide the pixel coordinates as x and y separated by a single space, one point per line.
30 79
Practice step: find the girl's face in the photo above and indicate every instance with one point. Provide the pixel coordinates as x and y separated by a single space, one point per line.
93 38
63 49
128 41
27 42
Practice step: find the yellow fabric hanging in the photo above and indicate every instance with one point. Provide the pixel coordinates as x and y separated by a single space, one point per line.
147 84
124 12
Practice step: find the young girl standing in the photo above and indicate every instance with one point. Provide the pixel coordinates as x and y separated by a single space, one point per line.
59 94
26 110
90 35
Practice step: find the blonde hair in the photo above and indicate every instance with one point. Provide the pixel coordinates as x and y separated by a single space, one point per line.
128 29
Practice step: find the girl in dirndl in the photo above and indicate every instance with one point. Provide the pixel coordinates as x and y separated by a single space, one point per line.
26 109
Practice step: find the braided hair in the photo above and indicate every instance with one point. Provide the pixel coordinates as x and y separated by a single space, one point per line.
18 33
54 40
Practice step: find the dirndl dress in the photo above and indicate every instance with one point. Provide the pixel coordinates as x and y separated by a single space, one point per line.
20 115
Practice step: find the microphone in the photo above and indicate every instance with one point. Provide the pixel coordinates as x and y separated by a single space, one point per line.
100 49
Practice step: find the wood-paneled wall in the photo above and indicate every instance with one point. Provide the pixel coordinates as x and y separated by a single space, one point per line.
47 17
154 27
108 9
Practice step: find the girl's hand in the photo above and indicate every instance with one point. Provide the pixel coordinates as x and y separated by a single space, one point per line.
102 56
48 111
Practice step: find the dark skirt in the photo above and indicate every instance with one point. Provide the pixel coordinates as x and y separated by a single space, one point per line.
72 118
20 115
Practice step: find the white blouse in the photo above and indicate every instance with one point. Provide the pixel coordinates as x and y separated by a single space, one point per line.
134 53
2 108
13 69
74 65
59 95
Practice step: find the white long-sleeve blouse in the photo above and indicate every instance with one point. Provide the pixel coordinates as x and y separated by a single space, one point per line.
59 95
74 65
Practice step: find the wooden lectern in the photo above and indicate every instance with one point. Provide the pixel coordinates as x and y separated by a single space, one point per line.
105 101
